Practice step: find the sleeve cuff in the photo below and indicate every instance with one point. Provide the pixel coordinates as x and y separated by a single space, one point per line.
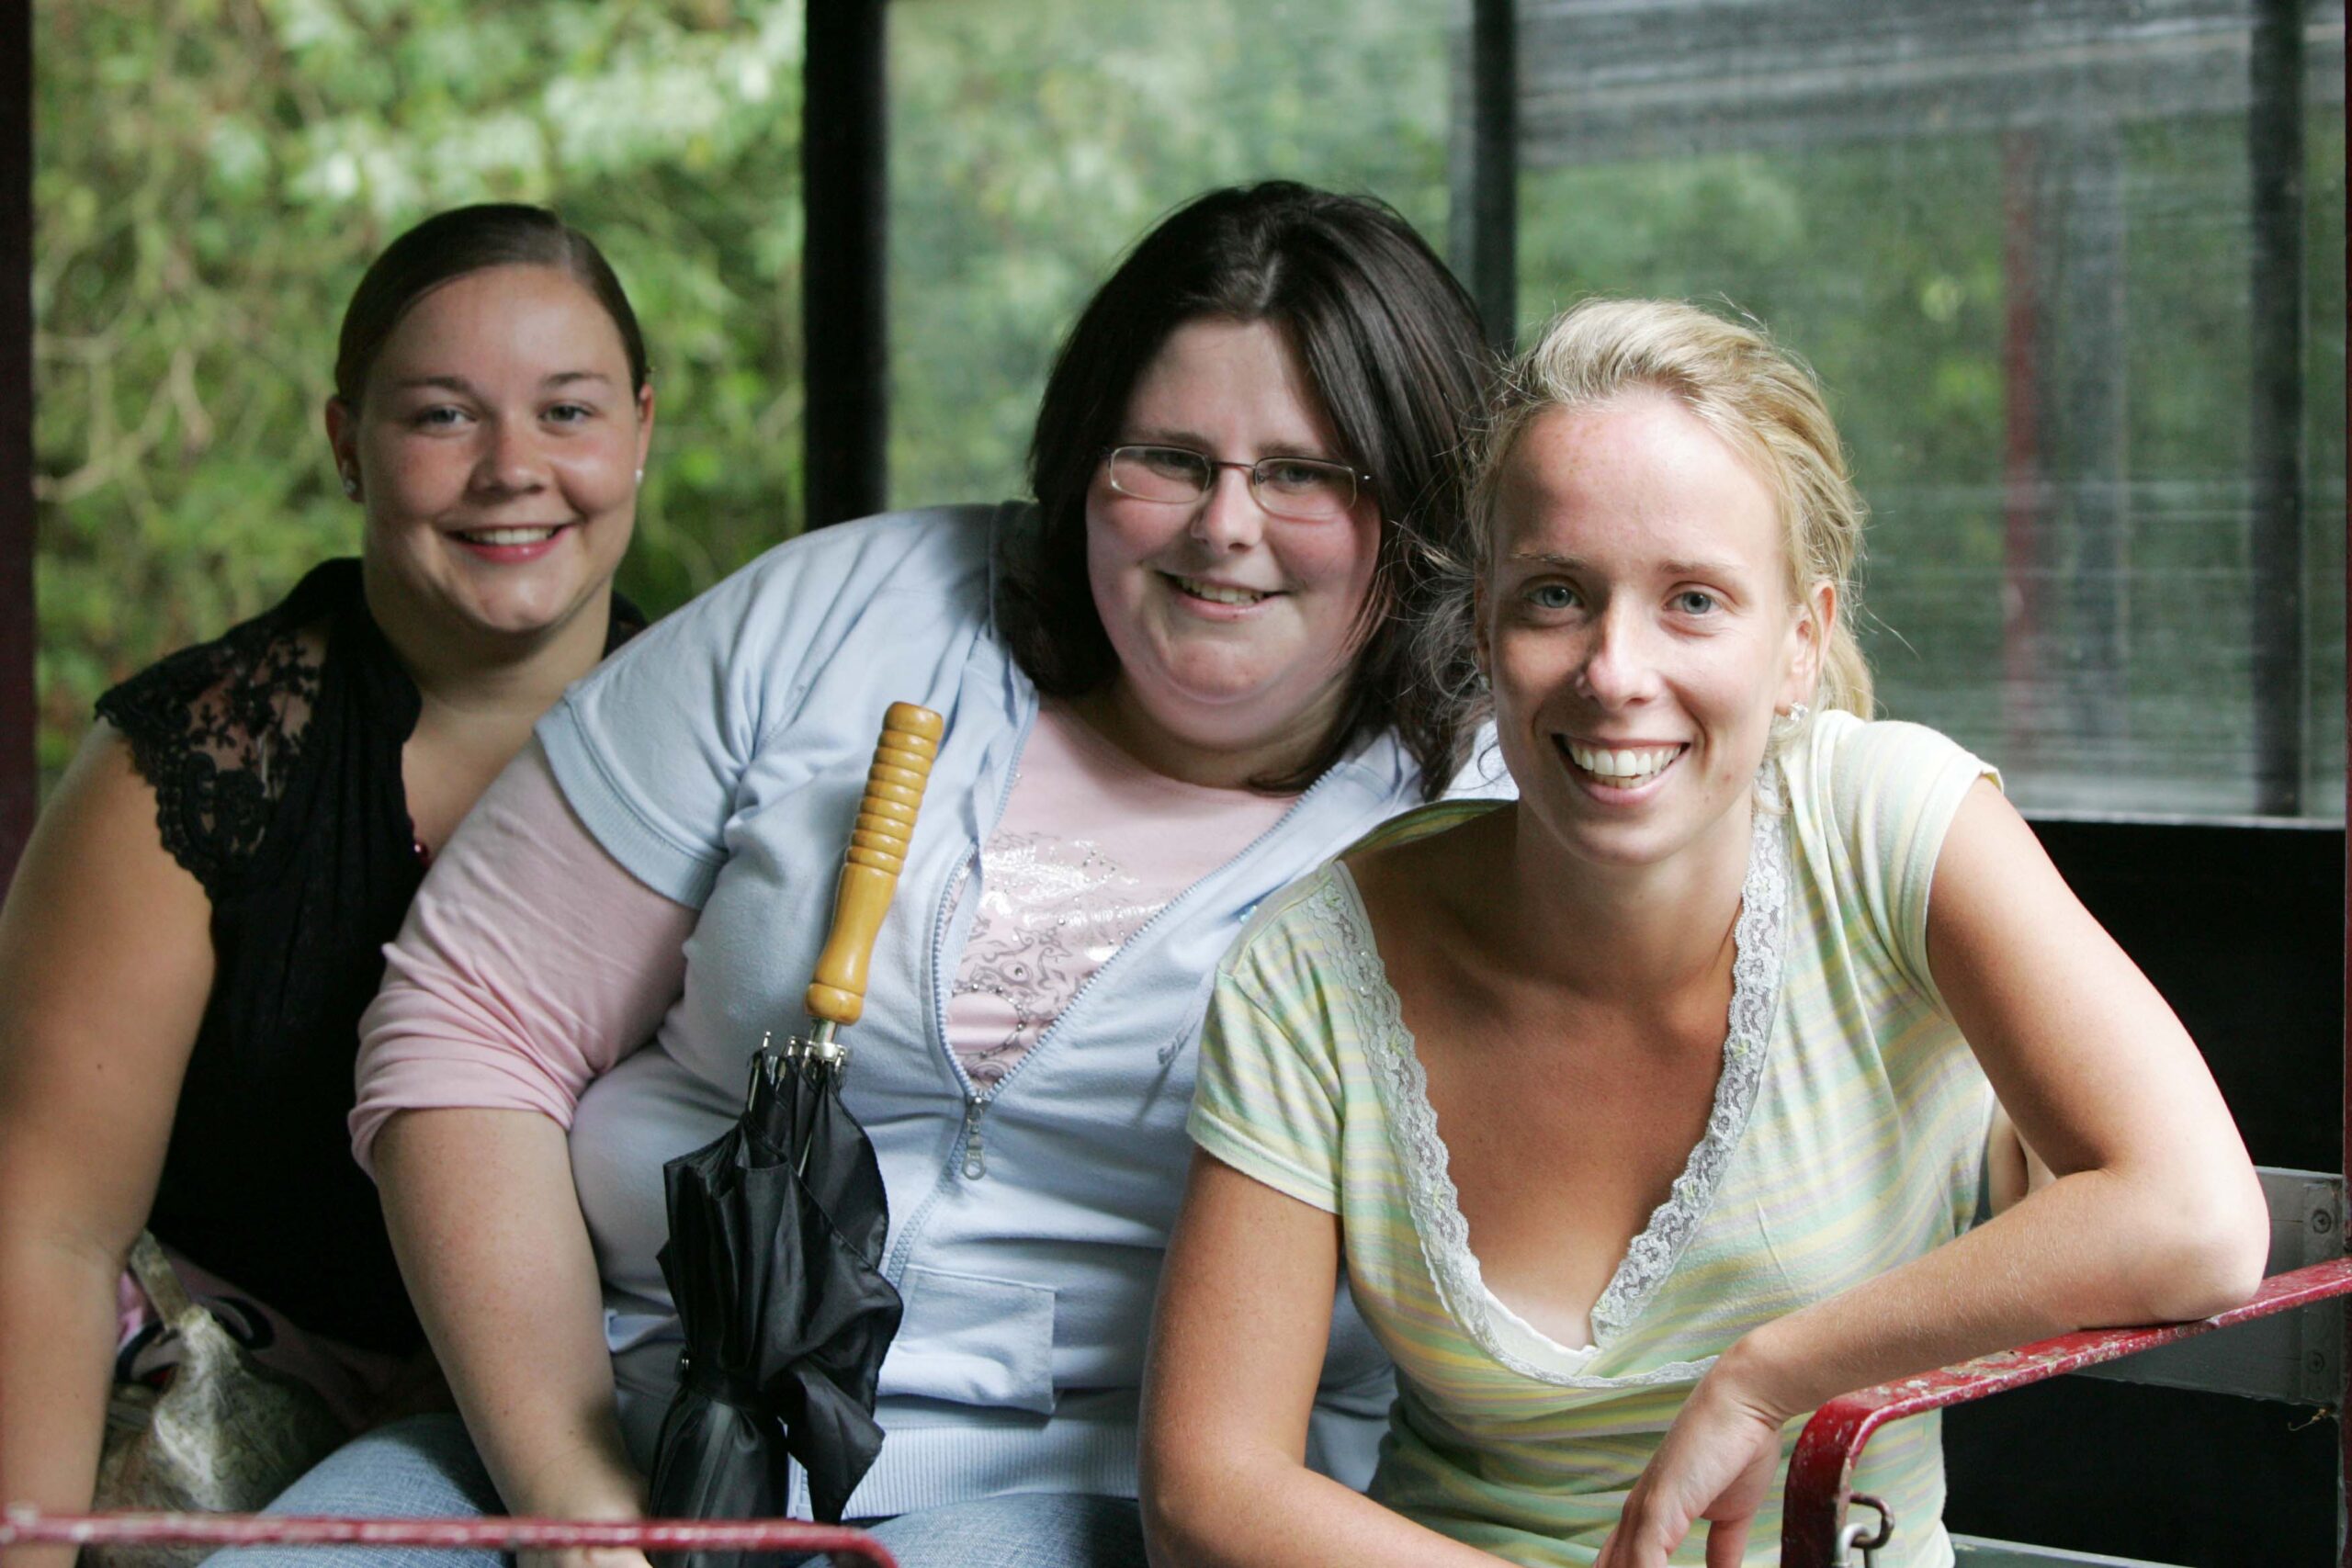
450 1083
1222 1141
684 873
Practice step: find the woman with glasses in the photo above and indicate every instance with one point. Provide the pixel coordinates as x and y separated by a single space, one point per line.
1646 1112
1172 684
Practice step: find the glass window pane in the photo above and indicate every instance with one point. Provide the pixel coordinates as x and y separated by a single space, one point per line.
1032 140
2018 240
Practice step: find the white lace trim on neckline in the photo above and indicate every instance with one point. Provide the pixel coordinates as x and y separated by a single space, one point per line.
1759 937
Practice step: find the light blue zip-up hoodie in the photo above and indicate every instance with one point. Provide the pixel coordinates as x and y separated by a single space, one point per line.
720 758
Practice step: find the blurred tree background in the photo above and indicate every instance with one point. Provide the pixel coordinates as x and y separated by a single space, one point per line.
214 174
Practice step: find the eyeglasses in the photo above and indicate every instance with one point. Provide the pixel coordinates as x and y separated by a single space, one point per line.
1305 490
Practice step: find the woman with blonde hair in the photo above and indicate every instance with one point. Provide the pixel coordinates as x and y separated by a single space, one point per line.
1617 1247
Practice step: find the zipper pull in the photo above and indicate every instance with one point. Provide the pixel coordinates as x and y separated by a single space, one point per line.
976 1163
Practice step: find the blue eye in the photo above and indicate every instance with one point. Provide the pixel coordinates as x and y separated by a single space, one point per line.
1695 602
571 413
1551 596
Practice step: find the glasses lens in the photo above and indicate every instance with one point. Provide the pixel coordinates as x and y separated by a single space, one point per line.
1158 473
1303 489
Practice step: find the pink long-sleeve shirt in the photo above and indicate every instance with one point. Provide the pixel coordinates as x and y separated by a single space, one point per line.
488 1002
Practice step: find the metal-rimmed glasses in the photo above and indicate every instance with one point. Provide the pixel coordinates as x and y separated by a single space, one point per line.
1305 490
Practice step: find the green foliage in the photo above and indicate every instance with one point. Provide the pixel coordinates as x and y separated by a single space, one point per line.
214 174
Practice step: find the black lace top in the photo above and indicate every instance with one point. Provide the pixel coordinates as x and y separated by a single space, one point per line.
274 754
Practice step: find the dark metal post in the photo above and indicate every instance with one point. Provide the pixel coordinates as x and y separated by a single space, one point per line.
1494 168
844 260
2275 458
2344 1418
18 780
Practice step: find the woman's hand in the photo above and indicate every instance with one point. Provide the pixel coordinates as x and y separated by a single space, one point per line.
486 1222
592 1481
600 1557
1717 1463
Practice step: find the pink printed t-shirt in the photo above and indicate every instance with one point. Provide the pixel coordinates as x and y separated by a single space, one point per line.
1091 846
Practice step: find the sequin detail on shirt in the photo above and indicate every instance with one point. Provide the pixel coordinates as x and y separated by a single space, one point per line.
1052 912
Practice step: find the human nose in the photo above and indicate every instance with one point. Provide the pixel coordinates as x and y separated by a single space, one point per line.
1617 669
511 461
1229 518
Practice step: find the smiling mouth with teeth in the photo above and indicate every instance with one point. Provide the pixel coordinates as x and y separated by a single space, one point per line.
509 536
1215 593
1625 767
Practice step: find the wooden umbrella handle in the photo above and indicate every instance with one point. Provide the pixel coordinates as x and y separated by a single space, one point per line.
877 852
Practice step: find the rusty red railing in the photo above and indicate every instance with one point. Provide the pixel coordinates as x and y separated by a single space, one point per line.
28 1527
1813 1527
1821 1474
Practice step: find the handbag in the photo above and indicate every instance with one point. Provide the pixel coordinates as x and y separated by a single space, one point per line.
225 1434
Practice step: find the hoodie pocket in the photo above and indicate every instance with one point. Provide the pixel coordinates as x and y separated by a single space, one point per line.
972 1340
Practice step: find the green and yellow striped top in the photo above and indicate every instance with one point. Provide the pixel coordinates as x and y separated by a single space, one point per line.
1846 1138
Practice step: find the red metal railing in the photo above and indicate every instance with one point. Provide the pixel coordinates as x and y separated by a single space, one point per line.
28 1527
1822 1472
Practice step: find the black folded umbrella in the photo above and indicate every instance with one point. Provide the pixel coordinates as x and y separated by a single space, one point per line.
774 1264
777 1226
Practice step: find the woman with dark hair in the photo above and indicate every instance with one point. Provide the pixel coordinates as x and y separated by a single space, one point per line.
200 918
1170 686
1376 328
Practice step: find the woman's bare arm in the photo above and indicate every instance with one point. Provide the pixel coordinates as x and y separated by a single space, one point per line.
106 961
2154 1214
530 962
1236 1348
487 1224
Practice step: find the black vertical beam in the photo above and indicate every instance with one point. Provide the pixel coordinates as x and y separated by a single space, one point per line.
2275 152
19 782
844 260
2343 1418
1494 168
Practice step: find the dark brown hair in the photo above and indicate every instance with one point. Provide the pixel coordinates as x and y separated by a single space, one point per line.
1392 349
469 239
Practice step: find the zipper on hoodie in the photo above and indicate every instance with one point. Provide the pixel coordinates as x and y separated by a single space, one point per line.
971 1158
976 1159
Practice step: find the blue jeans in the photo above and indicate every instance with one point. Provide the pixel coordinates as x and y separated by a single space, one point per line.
1027 1530
426 1467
